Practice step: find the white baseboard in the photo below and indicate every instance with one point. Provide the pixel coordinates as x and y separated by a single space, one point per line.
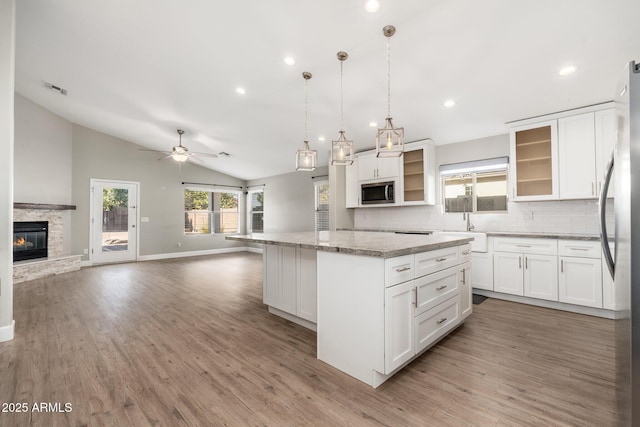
86 263
6 332
590 311
254 250
192 253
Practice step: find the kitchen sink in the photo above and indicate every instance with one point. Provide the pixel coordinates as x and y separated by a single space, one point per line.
479 243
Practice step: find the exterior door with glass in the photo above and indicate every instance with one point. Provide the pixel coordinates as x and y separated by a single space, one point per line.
114 232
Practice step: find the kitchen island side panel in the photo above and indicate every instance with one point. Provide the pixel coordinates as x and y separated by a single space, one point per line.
351 313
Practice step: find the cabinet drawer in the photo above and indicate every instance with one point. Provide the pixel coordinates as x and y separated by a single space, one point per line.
579 248
432 261
398 270
542 246
435 288
432 324
464 252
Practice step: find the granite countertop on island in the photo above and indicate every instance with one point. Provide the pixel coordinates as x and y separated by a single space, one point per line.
375 244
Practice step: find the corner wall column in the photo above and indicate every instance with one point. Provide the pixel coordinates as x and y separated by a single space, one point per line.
7 88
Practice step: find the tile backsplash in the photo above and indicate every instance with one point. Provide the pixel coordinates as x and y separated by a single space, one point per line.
566 216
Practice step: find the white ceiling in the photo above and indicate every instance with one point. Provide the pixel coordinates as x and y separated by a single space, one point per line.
139 70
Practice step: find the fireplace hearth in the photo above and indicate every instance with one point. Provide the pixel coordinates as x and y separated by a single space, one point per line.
30 240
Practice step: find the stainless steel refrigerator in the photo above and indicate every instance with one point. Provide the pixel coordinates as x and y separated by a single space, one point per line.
624 265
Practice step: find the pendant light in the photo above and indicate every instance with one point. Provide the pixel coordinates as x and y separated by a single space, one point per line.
306 158
342 149
390 139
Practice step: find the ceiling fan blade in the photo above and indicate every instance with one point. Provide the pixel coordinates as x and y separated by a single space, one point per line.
165 157
204 154
194 158
155 151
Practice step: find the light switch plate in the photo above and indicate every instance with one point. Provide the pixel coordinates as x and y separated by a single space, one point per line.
144 219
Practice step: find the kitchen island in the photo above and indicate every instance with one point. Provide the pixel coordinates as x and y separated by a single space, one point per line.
376 300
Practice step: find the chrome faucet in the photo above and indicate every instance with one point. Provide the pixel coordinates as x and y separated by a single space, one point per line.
467 215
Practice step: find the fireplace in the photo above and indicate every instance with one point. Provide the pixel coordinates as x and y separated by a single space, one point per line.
30 240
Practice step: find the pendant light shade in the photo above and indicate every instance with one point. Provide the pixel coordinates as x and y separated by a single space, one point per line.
390 139
342 148
306 158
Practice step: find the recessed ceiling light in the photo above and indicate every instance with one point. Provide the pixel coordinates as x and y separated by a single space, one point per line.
568 70
321 138
240 90
372 6
373 124
449 103
289 60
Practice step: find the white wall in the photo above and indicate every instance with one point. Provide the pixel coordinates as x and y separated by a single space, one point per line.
7 80
101 156
42 155
289 200
570 216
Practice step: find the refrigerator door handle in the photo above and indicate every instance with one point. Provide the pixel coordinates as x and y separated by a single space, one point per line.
604 238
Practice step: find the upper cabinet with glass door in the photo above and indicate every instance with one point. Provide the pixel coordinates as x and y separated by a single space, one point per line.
534 170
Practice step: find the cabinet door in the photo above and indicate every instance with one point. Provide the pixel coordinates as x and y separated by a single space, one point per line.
399 342
507 273
270 274
580 281
307 294
367 167
388 167
434 288
482 270
606 131
352 186
534 167
434 323
418 173
541 277
577 156
466 297
287 296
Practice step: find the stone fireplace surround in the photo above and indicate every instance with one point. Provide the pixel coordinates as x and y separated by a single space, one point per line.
57 262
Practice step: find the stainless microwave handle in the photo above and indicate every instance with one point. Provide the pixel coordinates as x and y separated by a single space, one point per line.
386 192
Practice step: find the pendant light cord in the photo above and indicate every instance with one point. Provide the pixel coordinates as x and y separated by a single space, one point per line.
341 109
306 115
388 77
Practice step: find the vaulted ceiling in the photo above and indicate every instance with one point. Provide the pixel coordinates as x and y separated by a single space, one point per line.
139 70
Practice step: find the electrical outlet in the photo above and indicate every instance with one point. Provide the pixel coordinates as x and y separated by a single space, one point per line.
179 245
527 216
85 251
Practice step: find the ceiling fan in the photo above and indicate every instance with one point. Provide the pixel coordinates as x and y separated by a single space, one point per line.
181 154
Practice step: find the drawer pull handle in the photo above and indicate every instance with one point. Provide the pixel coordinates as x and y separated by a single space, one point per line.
400 270
466 252
440 259
523 246
578 249
439 288
441 320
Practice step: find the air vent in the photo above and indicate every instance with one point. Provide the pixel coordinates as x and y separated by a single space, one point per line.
224 154
54 88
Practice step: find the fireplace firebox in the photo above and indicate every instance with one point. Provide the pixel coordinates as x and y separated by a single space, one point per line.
30 239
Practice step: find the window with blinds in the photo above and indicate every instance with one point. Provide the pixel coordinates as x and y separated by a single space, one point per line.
210 212
322 205
255 220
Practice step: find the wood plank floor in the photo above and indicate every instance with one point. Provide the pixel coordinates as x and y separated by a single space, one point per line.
189 343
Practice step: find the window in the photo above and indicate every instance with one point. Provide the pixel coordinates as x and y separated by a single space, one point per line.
210 212
479 186
322 205
255 218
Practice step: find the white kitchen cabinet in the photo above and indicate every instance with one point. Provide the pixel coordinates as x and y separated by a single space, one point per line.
399 319
507 273
466 294
352 186
577 156
534 158
289 283
375 168
580 276
606 133
526 267
419 173
433 324
482 277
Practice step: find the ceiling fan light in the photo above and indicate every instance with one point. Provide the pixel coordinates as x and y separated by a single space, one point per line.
306 158
180 157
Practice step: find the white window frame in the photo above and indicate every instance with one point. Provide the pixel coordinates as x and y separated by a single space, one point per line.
211 232
249 210
317 184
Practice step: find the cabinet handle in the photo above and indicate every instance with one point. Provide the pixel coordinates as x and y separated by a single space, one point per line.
592 189
519 262
464 276
578 249
561 266
523 246
400 270
415 297
466 252
439 288
526 263
440 259
441 320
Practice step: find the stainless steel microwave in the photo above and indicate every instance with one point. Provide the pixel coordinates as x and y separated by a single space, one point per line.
377 193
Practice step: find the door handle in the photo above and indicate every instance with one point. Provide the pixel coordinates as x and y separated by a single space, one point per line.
133 226
604 238
519 262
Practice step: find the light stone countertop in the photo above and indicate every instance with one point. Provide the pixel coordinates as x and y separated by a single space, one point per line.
541 235
375 244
